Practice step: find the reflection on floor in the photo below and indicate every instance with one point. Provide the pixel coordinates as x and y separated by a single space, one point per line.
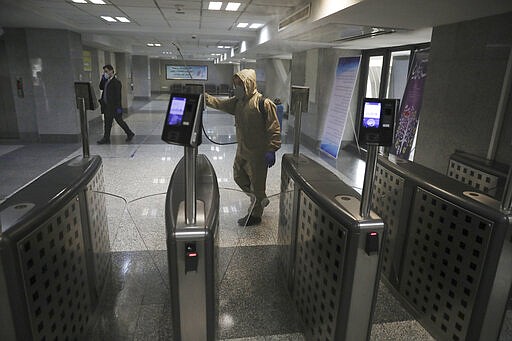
254 304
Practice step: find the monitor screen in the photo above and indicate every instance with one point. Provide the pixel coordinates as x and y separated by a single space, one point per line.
176 111
371 114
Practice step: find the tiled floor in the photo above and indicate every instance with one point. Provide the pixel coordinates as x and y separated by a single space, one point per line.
254 304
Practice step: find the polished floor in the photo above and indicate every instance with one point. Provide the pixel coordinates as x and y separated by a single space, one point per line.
254 304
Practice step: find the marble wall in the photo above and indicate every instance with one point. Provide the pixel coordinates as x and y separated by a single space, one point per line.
465 76
123 69
20 71
277 78
55 62
8 119
316 69
141 77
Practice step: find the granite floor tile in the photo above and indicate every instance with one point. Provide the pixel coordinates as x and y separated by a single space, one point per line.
404 330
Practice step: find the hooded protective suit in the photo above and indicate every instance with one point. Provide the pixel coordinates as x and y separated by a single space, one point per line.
257 133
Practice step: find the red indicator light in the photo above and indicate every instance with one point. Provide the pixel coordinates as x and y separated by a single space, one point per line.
192 254
373 233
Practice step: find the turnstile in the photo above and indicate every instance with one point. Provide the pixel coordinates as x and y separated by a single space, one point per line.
329 254
192 253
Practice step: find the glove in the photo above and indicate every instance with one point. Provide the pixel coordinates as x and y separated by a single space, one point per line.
119 111
270 158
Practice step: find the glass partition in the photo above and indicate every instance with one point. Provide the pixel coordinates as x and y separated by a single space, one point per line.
397 74
374 76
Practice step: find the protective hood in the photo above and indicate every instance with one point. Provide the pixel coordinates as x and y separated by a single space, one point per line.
248 78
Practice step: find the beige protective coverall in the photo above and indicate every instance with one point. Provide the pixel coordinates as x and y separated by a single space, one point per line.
257 133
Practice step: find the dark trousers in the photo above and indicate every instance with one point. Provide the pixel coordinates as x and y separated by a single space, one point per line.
109 119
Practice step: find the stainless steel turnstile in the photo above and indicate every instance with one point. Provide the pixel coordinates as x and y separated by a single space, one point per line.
54 253
329 252
192 251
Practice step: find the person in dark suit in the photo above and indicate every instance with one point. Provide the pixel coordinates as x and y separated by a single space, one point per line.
111 104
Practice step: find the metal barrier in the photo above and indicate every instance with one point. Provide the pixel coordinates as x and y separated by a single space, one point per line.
193 253
449 250
54 253
485 176
329 253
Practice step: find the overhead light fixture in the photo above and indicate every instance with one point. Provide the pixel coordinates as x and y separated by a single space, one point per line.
256 25
123 19
150 44
158 44
107 18
214 5
97 2
242 25
79 1
232 6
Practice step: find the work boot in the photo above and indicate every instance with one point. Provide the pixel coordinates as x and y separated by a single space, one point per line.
104 141
249 220
130 137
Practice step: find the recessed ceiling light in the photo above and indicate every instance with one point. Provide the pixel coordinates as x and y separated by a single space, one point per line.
255 25
97 2
158 44
232 6
79 1
214 5
242 24
150 44
107 18
123 19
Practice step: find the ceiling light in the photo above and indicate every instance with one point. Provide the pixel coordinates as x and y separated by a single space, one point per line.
107 18
97 2
214 5
255 25
79 1
150 44
123 19
242 25
158 44
232 6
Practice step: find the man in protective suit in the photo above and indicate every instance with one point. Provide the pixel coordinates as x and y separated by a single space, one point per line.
258 136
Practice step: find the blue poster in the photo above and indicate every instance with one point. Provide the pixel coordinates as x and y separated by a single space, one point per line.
341 96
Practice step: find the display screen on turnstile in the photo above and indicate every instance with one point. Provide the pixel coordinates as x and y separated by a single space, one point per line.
371 114
183 120
176 111
377 121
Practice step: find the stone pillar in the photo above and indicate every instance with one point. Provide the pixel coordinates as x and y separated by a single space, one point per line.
141 78
46 62
124 74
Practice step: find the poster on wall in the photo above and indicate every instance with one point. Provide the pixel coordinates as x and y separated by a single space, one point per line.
341 96
409 114
193 72
87 60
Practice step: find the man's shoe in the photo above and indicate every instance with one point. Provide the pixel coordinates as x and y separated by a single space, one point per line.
249 221
103 141
130 137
